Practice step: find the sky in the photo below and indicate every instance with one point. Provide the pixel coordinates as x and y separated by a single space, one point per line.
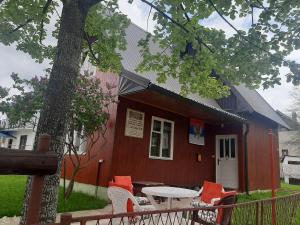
12 60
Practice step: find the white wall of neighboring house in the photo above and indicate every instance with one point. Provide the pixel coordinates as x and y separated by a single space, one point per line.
285 143
17 133
285 139
291 168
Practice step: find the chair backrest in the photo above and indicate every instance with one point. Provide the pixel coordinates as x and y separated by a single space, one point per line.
126 187
119 198
224 215
211 190
124 180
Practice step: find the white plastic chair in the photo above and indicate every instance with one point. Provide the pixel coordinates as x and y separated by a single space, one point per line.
119 198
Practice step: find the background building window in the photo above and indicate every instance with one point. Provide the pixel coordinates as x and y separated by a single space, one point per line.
285 152
161 143
10 142
23 141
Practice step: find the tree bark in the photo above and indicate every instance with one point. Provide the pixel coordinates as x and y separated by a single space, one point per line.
61 87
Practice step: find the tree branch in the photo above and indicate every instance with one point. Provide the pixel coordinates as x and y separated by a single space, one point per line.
199 40
242 36
45 8
44 11
269 11
87 38
90 3
165 15
21 25
174 21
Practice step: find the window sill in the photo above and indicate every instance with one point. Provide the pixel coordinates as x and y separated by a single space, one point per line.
160 158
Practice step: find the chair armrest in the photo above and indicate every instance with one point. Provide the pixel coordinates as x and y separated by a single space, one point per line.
214 201
197 204
200 191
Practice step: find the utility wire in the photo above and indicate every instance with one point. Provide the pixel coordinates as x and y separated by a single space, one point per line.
148 18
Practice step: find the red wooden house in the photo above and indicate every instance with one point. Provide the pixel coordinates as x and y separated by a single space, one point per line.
157 135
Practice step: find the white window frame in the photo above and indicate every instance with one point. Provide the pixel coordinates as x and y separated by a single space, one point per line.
161 139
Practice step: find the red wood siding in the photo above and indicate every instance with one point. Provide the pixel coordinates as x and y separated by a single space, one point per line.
103 149
259 153
131 155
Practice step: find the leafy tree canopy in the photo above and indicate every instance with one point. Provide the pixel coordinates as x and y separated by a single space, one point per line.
191 52
89 110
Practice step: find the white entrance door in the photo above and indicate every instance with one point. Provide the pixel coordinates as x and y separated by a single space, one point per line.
227 161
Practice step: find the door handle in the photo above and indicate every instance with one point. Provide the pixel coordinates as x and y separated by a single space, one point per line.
218 162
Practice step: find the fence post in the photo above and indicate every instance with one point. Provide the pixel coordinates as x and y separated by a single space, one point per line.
194 216
262 213
257 213
271 150
34 205
66 219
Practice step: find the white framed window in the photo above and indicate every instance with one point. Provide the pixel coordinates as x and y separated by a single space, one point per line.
161 140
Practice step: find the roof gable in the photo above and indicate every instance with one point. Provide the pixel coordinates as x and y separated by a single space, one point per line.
294 125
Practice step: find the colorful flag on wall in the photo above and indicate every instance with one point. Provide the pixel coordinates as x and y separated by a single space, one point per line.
196 132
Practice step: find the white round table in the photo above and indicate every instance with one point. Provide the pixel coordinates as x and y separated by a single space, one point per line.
168 192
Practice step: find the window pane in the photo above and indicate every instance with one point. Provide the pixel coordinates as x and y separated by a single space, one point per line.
156 125
166 142
10 141
232 140
221 148
285 152
226 147
155 144
23 141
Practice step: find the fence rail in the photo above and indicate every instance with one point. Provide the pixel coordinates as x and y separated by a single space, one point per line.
248 213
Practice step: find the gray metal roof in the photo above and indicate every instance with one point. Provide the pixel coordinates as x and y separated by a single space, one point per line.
293 124
258 104
130 83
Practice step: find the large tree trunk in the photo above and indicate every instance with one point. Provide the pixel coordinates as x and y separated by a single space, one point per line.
58 98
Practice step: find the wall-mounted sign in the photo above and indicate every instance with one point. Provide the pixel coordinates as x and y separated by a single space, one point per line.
196 132
134 126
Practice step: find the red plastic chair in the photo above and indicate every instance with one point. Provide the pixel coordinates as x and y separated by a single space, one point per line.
124 180
210 192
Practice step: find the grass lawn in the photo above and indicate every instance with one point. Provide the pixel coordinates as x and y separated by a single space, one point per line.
12 193
286 189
